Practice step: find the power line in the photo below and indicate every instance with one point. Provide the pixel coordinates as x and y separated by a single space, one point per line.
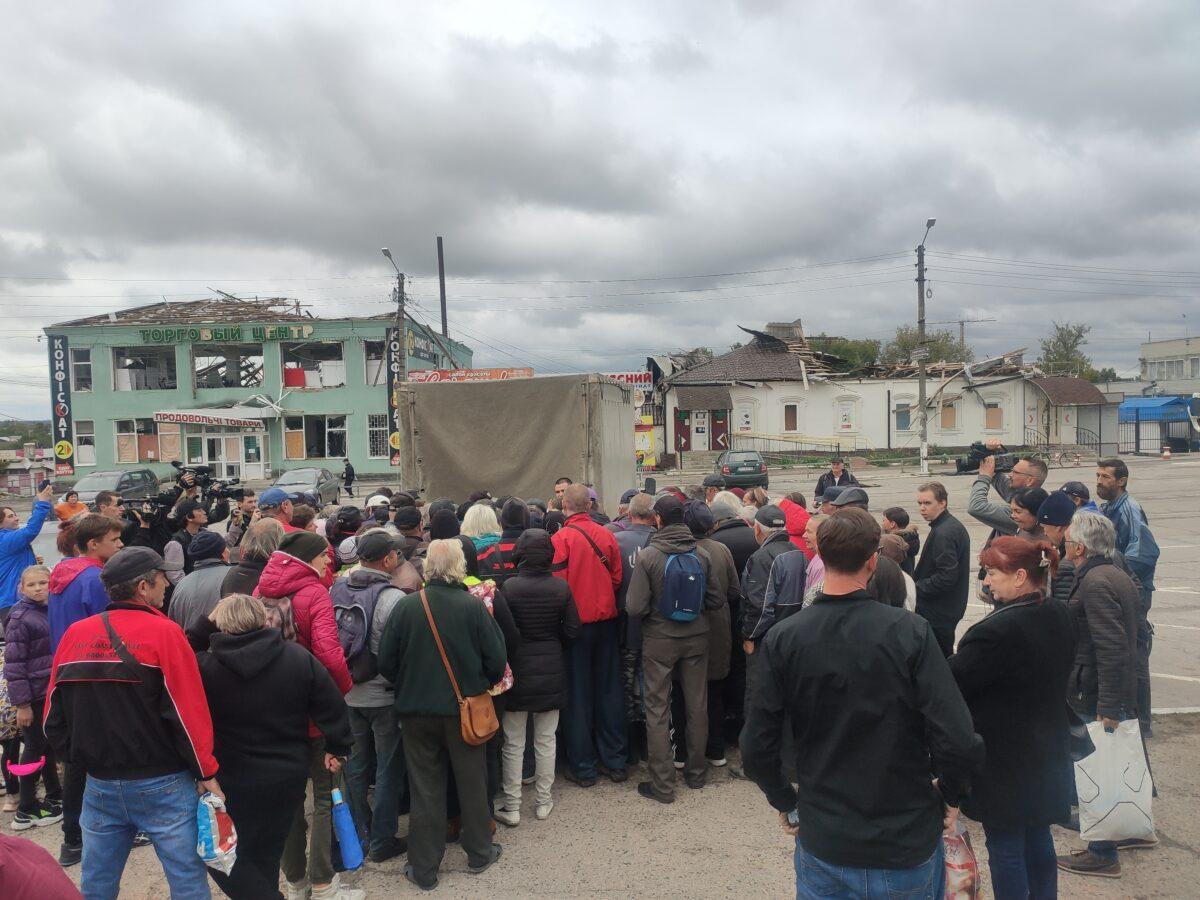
1051 265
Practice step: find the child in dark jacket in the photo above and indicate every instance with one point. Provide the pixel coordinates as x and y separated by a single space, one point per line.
27 663
896 521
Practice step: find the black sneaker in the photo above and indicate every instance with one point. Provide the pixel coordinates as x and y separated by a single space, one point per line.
617 776
646 789
695 783
587 782
410 876
1085 862
70 854
141 839
396 847
43 815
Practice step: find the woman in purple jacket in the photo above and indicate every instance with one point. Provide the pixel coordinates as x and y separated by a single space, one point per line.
27 663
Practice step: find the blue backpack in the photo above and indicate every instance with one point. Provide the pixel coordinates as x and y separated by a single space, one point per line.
682 596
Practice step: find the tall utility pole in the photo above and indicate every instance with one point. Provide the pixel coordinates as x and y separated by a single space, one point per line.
400 329
922 350
442 286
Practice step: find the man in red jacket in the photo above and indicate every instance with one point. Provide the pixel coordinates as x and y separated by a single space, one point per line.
587 556
126 704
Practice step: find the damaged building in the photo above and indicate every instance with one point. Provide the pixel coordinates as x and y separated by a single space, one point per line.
777 391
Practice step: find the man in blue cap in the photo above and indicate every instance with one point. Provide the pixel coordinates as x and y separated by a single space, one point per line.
275 503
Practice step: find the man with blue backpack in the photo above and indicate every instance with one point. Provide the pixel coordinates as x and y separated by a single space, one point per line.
362 602
671 587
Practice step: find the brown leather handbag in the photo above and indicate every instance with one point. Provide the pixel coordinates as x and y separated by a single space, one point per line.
476 715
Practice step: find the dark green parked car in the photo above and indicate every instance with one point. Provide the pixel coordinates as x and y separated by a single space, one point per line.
742 468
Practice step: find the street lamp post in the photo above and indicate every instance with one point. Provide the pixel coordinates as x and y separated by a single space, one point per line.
401 336
922 350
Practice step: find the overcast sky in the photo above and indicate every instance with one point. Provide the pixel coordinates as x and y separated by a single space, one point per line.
567 150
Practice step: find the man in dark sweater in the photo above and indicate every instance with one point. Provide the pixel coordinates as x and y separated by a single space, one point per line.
943 573
866 812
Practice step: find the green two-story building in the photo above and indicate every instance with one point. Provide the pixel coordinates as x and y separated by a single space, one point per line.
249 387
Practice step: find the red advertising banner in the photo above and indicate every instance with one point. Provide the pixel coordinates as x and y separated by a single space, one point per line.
633 379
429 376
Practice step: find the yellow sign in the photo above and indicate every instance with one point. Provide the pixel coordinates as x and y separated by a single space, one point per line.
63 449
394 440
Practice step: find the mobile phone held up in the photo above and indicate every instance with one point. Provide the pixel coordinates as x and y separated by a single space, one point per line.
43 484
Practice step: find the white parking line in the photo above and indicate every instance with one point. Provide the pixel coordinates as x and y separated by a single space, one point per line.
1189 678
1158 625
1171 590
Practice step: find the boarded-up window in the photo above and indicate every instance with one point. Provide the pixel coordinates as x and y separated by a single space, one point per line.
993 415
168 441
293 437
789 417
137 440
949 419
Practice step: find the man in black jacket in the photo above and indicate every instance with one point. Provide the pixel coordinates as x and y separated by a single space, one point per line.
943 573
866 811
837 476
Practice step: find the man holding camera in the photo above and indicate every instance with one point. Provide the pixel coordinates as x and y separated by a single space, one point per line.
244 513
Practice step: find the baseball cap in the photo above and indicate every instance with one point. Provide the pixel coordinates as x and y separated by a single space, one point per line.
713 481
272 496
441 503
206 545
347 551
669 509
378 500
1056 509
186 508
375 545
848 495
770 516
1076 489
131 562
407 517
831 494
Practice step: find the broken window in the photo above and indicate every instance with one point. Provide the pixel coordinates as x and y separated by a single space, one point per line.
81 369
376 357
227 365
137 440
313 364
144 369
325 437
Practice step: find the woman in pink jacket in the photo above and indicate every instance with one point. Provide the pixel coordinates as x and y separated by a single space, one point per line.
298 604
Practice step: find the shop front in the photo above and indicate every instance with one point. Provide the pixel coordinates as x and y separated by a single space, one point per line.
233 446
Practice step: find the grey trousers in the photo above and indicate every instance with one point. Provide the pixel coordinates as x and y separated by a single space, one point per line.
317 866
432 746
660 658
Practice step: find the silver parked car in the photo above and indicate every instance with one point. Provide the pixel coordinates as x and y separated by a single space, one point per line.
320 482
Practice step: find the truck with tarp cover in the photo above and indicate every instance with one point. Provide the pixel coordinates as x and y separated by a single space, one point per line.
516 436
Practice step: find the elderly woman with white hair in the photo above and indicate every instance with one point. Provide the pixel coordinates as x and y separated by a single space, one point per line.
428 708
1104 606
262 691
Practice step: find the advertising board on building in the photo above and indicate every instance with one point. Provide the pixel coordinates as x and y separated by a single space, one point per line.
395 374
433 376
60 390
422 346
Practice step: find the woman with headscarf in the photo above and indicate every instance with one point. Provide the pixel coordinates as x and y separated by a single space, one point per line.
546 619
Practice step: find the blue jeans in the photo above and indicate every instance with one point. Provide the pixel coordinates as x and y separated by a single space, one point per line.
1022 862
376 738
818 879
594 720
1104 849
165 809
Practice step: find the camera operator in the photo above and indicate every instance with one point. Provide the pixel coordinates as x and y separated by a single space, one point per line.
243 514
214 500
146 523
1029 472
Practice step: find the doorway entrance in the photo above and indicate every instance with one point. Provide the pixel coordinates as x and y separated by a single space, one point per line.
231 454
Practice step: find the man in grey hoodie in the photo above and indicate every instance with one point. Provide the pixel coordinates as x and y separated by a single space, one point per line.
670 645
372 700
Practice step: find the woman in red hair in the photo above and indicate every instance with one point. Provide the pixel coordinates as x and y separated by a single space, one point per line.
1012 668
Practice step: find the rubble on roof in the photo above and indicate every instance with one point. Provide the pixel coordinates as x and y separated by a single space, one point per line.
1010 363
200 312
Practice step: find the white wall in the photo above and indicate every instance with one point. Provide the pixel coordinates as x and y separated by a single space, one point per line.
865 410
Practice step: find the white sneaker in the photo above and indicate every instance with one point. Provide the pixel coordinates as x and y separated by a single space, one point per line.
718 762
335 891
11 803
543 810
509 817
300 890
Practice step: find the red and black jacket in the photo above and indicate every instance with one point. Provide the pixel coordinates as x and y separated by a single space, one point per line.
118 724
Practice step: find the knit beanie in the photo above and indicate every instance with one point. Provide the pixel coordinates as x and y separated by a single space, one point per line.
444 524
304 545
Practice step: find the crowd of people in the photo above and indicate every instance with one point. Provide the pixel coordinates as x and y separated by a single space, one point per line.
306 650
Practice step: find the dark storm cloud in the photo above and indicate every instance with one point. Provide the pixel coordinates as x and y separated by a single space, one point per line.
546 144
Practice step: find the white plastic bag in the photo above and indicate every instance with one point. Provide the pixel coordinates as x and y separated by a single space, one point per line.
216 838
1114 786
962 867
